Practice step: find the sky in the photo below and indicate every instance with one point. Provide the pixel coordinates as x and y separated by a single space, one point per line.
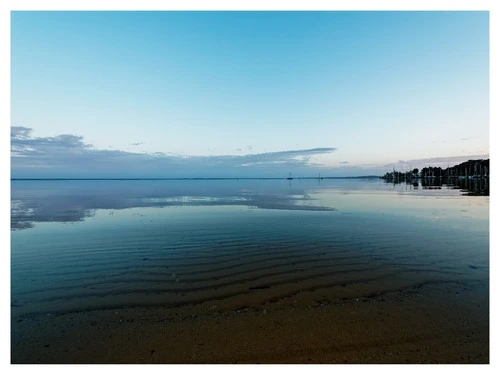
246 94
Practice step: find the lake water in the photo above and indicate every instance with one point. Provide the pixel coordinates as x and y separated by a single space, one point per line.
87 246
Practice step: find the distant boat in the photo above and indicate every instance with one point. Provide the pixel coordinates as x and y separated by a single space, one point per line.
290 177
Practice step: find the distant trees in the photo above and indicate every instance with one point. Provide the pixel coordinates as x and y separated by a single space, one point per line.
432 172
470 168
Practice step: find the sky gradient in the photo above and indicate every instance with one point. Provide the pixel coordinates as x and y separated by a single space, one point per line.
246 94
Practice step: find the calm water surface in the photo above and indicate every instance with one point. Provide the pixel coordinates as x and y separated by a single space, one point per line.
92 245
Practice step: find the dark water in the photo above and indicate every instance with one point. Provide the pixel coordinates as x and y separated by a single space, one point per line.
91 245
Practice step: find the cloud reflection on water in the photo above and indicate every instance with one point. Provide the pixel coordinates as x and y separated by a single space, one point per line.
73 201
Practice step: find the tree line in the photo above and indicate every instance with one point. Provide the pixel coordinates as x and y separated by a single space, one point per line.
479 168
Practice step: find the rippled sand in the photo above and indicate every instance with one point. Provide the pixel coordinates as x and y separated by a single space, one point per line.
232 284
285 300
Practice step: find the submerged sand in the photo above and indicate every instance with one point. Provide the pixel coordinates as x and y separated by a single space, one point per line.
431 323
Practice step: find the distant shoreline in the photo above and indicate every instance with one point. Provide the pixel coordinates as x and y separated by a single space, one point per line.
188 178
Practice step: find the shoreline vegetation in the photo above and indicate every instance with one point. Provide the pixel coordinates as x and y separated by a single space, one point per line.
479 168
471 177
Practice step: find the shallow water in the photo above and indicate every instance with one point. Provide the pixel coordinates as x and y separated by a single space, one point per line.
96 245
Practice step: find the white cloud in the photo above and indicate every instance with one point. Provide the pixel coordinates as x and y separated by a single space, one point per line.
68 155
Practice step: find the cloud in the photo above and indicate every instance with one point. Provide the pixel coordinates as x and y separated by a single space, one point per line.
25 146
290 157
68 155
20 131
136 143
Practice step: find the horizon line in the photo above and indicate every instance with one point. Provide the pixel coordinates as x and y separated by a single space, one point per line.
183 178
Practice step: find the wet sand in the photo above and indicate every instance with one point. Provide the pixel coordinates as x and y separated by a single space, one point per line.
428 323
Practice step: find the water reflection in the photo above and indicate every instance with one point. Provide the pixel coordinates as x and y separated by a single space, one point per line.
466 186
72 201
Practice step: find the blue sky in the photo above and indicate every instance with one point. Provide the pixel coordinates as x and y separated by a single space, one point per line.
202 94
